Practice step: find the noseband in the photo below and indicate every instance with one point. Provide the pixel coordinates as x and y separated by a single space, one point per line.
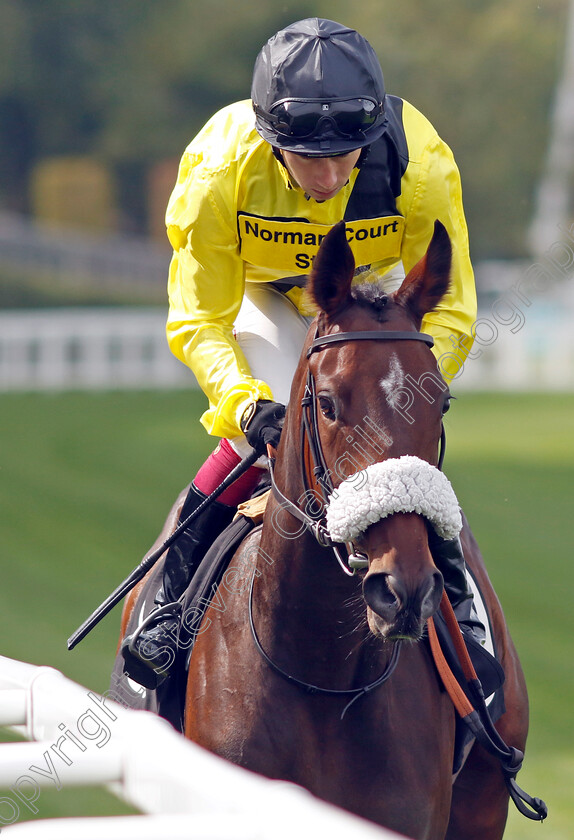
314 520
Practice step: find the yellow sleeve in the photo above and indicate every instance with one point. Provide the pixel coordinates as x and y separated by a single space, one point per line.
206 285
437 194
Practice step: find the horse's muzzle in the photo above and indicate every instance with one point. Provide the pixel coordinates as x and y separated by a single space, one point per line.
400 612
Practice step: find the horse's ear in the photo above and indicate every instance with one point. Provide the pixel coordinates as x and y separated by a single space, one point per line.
427 282
329 282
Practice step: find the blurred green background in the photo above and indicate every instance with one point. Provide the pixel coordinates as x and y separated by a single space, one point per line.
97 102
124 86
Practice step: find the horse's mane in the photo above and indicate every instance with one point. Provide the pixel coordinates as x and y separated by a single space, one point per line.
371 296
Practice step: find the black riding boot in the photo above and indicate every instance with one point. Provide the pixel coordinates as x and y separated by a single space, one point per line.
449 560
150 651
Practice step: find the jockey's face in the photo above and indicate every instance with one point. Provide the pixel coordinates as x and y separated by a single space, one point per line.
321 177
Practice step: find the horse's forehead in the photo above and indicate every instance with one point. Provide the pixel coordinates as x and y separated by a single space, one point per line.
394 379
378 370
381 372
363 318
390 359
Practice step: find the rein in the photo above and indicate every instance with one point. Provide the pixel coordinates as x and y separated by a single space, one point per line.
354 693
477 716
315 522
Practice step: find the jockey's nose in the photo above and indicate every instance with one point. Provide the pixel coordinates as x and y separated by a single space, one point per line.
327 174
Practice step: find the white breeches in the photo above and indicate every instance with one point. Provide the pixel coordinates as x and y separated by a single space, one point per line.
271 332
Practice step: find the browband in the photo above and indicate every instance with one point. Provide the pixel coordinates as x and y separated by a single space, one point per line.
373 335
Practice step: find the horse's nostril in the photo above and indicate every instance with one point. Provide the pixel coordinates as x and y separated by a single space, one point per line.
386 595
382 592
431 601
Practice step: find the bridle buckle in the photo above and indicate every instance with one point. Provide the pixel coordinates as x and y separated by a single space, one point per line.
321 534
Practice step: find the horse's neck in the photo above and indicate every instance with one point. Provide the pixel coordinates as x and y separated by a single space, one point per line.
303 600
302 574
305 571
310 614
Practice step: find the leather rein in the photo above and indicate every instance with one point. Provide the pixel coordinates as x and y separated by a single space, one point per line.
476 715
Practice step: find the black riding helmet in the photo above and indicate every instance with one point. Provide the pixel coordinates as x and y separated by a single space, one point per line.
318 89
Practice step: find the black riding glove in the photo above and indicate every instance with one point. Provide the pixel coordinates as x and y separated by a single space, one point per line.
261 424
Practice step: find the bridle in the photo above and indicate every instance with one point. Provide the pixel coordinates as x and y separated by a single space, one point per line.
315 520
353 693
313 517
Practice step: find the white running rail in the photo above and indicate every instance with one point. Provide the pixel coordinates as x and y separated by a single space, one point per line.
90 349
87 349
78 737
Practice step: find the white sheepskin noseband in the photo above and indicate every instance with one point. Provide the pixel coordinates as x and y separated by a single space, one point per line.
398 485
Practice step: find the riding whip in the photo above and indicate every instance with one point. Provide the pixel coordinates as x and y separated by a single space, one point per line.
148 562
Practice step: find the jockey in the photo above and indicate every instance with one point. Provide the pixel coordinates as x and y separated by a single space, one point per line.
257 189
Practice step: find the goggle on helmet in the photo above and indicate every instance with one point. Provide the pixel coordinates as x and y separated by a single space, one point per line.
318 90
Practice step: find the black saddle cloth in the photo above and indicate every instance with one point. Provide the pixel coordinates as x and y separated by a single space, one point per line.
203 586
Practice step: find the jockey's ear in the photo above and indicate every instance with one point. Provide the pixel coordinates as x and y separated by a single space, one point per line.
428 281
330 280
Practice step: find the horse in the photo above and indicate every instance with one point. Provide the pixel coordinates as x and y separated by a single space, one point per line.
295 670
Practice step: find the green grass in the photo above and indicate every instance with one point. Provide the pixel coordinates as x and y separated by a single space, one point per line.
85 484
511 461
87 479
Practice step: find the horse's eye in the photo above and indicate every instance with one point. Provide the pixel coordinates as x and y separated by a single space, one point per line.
446 404
327 407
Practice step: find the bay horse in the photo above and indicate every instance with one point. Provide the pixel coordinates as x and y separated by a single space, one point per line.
290 672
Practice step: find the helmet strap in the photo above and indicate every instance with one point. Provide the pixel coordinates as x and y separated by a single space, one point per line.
277 153
363 156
